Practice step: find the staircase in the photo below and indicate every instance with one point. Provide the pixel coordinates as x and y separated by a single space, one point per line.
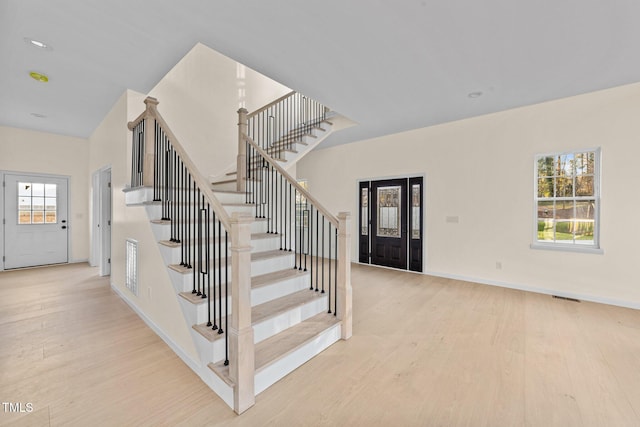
260 268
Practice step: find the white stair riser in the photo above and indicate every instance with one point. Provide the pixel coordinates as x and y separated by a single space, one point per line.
272 264
138 196
279 323
230 197
198 313
163 231
285 365
183 282
226 186
172 255
279 289
209 352
246 209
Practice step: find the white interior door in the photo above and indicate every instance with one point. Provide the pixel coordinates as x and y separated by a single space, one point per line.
36 227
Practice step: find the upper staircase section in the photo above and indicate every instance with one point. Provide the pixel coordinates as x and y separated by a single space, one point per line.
289 127
286 129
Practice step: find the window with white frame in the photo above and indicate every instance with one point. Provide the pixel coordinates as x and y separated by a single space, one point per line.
567 199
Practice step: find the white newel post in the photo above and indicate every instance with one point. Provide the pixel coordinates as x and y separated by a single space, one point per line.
344 274
149 141
243 126
241 363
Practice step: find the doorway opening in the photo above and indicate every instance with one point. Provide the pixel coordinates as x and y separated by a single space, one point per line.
101 221
391 223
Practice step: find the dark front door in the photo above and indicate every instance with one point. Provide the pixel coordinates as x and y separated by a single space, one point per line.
389 223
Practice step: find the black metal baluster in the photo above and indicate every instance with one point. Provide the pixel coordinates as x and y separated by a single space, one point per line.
335 272
290 219
204 268
317 243
281 198
304 247
220 330
329 262
295 229
310 247
226 299
212 243
323 238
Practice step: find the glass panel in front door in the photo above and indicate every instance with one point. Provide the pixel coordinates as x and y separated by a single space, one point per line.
389 202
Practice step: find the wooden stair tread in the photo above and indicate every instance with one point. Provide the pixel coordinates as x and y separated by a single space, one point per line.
222 371
264 311
254 236
255 256
280 345
168 222
256 282
276 276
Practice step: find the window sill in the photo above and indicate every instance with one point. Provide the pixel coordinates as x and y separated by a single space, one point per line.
567 248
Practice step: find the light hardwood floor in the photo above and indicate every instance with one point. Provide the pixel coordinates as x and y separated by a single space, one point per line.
425 351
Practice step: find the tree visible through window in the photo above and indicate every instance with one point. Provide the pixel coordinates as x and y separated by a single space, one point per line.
567 198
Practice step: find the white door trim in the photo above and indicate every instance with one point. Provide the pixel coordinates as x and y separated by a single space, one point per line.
100 243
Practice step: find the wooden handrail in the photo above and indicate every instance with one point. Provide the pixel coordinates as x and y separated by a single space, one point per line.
260 110
331 218
152 112
135 122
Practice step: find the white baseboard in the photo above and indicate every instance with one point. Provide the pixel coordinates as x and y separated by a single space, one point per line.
546 291
188 360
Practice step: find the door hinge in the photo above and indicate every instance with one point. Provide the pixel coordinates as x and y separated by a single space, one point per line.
3 258
109 260
109 184
109 222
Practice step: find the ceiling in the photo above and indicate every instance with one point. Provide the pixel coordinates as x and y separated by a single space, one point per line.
388 65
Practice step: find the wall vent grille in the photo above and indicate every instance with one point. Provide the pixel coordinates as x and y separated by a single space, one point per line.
131 269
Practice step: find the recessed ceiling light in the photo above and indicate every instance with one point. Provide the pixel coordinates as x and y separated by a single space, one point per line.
476 94
37 43
39 77
38 115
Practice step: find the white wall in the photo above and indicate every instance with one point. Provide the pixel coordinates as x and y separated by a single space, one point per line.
110 145
199 99
481 170
38 152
